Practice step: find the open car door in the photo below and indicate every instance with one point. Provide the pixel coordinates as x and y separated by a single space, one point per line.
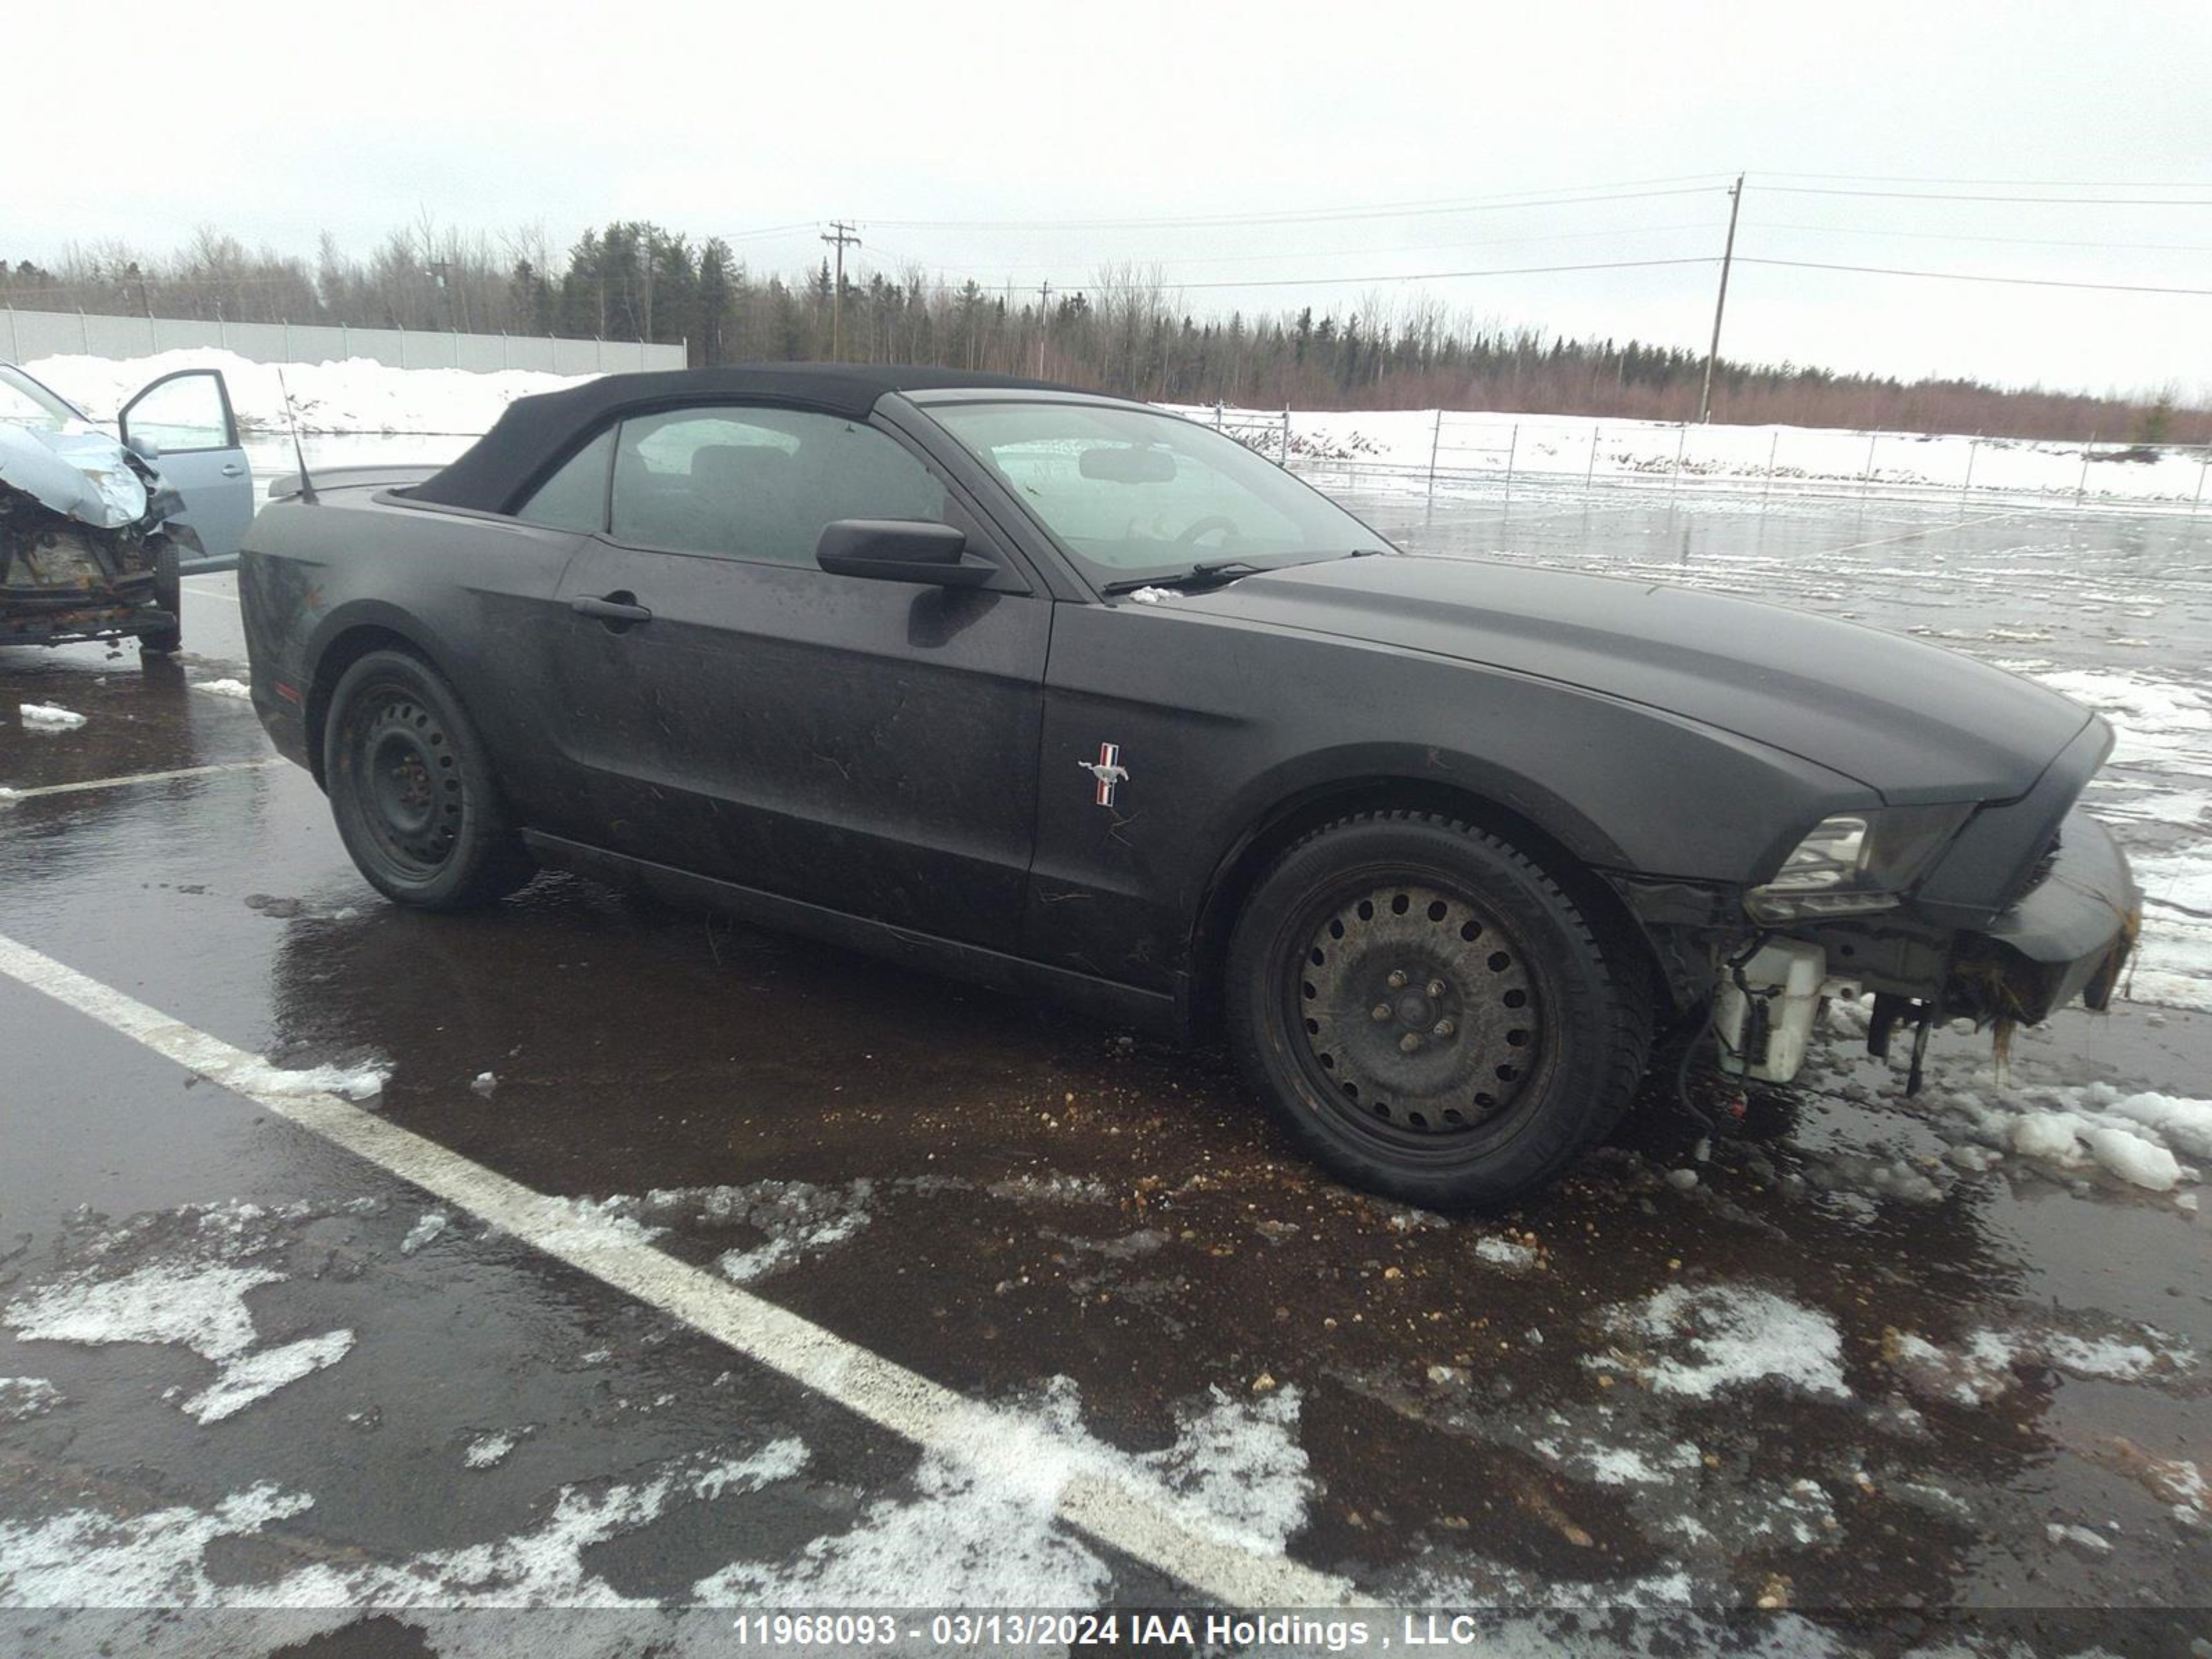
183 423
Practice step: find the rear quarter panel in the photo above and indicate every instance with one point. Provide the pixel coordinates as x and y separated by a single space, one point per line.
470 592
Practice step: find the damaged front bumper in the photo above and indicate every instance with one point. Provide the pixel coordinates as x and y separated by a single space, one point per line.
90 541
2068 935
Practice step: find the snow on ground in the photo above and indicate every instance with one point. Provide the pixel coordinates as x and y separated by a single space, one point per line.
224 688
253 1376
2141 1137
424 1232
1698 1342
1393 448
86 1558
48 717
1983 1365
981 1528
186 1287
347 1082
22 1397
978 1526
354 396
489 1451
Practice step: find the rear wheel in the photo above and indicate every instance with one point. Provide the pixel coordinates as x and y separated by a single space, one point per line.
169 595
413 790
1430 1014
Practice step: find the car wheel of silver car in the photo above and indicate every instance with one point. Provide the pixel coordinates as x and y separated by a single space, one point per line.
412 789
169 595
1430 1012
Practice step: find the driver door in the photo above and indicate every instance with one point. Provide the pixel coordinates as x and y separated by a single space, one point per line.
191 436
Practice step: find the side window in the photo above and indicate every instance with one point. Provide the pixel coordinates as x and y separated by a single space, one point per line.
182 412
759 483
576 497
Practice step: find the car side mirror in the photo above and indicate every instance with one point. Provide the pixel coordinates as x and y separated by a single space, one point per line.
144 448
900 550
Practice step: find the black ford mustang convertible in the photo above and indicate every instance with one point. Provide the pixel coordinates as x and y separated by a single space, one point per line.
1061 692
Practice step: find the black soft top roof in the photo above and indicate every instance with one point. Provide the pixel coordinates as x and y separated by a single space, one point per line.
537 433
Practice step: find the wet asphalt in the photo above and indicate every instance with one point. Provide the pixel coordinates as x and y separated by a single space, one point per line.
1542 1408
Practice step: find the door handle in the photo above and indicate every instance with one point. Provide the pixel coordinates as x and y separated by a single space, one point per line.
232 470
618 610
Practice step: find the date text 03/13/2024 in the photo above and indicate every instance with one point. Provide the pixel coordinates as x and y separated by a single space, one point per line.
1141 1631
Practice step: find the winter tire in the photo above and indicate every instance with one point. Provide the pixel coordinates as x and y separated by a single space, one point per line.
413 790
1430 1012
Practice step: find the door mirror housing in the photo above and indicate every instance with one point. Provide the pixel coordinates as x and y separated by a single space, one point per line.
900 550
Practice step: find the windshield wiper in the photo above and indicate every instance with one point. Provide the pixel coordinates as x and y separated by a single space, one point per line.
1211 573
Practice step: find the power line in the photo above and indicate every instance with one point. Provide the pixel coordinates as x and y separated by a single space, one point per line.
1411 247
2009 241
2049 201
2017 184
1447 276
1302 217
1975 276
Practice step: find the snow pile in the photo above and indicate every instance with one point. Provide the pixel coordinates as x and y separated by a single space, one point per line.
223 688
2139 1138
1698 1342
190 1292
48 717
353 396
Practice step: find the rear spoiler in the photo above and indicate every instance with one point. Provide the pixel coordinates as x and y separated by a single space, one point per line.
391 475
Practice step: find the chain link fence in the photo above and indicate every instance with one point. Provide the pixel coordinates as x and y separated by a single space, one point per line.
1442 452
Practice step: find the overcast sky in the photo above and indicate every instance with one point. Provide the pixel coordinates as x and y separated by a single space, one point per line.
278 122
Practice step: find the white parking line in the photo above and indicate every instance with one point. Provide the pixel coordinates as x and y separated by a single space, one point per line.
1142 1521
139 777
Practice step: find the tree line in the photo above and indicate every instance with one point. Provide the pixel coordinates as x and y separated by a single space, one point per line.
1126 331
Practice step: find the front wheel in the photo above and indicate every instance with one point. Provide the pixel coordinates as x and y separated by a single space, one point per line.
1430 1012
413 790
169 595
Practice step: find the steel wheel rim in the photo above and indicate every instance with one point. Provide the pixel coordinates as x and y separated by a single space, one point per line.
407 782
1415 1013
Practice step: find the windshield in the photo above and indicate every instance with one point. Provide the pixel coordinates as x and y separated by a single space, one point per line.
24 402
1130 493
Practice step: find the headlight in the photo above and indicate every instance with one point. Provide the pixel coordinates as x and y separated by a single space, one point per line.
1857 863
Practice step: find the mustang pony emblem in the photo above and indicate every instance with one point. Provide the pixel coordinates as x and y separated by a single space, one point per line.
1107 770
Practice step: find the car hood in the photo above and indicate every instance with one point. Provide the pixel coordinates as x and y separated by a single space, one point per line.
1917 723
83 475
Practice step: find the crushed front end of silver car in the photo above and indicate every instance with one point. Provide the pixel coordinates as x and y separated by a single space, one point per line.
90 541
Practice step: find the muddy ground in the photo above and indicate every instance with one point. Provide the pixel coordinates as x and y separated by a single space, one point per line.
1858 1361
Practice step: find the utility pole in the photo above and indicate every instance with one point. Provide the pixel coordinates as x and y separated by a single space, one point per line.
842 235
1727 253
1044 322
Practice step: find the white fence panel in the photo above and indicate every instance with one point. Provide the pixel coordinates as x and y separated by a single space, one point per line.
28 335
